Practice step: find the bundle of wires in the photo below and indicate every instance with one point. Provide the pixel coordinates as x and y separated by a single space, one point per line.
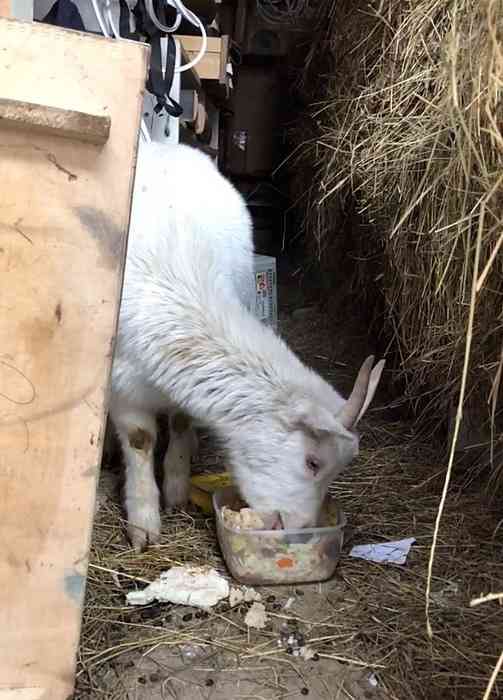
108 29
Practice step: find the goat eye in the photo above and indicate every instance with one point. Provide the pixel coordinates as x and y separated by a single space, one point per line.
312 465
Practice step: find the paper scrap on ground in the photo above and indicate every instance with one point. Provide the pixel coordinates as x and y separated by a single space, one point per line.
238 595
256 616
199 586
373 680
384 552
307 653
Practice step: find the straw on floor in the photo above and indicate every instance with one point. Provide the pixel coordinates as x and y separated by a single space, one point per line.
377 618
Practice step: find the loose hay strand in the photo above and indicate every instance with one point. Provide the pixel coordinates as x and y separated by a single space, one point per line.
459 416
493 677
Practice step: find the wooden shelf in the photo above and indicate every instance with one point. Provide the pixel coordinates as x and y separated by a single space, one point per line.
190 79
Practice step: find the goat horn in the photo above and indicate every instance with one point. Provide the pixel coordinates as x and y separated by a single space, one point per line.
353 406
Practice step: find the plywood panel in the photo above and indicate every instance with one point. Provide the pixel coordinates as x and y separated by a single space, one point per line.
64 213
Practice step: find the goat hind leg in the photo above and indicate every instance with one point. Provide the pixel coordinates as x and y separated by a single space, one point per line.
182 445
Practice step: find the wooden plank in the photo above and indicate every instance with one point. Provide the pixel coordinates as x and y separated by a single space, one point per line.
64 214
189 102
67 123
213 65
193 43
189 78
208 68
224 59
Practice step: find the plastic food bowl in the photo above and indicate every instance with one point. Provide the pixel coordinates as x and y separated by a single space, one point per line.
266 557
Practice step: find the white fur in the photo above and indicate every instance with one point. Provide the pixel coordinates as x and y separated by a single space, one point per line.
187 343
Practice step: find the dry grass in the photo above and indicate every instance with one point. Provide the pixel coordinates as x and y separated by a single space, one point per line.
378 610
375 616
404 138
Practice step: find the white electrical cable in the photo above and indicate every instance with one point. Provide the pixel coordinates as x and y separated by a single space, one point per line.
182 12
108 12
194 20
149 4
99 17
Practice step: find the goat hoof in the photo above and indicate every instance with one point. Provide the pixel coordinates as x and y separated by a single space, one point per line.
176 494
141 539
144 529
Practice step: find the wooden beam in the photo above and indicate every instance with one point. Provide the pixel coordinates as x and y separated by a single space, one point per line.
67 123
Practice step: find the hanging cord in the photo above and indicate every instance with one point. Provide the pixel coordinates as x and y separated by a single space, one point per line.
185 13
149 4
99 17
182 12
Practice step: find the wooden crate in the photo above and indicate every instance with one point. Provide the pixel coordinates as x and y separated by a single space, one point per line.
213 65
64 214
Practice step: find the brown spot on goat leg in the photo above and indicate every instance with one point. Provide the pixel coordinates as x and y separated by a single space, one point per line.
140 439
180 423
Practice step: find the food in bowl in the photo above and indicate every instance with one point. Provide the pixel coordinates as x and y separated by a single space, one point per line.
242 519
274 556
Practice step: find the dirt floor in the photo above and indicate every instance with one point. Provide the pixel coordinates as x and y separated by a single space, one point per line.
366 626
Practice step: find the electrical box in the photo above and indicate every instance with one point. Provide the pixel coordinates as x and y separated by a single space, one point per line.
265 304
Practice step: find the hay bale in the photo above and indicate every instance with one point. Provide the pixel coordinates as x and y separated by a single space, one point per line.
407 126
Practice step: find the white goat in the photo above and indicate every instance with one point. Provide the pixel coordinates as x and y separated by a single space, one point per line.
187 345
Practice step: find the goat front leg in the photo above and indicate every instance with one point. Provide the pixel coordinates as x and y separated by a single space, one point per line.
137 432
182 446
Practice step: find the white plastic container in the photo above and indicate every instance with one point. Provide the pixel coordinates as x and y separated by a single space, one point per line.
266 557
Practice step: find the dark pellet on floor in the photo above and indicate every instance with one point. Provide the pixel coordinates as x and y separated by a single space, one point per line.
187 617
210 681
142 680
305 691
